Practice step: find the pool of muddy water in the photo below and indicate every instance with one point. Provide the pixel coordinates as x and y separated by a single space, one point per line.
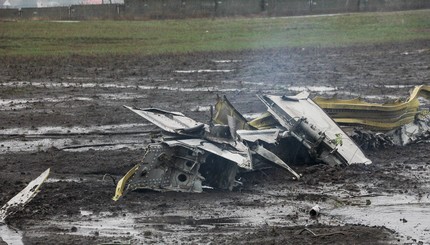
404 214
106 137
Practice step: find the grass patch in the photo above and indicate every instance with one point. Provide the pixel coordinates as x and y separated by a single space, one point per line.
44 38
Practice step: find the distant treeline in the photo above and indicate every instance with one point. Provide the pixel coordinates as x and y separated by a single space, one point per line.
175 9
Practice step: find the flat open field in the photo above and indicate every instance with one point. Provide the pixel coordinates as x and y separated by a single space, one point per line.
63 110
65 38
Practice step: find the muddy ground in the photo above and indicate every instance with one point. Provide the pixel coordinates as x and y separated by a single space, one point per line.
66 114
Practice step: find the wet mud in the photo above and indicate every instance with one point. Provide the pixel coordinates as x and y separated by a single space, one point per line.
66 114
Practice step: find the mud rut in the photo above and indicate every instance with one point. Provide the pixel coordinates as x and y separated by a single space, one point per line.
67 114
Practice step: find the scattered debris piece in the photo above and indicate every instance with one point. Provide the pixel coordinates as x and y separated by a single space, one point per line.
380 117
314 129
23 197
187 154
315 210
415 131
369 140
409 133
321 235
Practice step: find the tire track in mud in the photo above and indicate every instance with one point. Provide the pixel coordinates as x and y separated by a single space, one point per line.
106 137
189 86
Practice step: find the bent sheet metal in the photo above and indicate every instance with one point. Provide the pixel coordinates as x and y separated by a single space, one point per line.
189 154
307 122
23 197
381 117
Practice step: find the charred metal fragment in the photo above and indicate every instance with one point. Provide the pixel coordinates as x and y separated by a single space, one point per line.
314 129
416 131
412 132
188 154
167 168
369 140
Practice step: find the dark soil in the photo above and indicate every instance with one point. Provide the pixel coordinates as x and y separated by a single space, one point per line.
270 207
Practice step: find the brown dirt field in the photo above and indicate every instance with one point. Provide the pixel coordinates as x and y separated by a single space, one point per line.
66 114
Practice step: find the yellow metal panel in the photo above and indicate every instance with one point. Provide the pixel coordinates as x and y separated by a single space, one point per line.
384 116
378 116
223 109
123 181
265 121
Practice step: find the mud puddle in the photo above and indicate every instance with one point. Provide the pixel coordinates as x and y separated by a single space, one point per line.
117 86
55 180
191 221
106 137
130 226
243 86
202 71
94 129
144 226
168 223
15 104
102 224
74 144
226 61
312 88
407 215
397 86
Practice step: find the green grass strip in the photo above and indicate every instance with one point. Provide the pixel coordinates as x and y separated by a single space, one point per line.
49 38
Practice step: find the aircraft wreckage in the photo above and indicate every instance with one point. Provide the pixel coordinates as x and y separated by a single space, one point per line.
186 155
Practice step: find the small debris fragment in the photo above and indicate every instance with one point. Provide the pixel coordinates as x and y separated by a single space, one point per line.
23 197
315 210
